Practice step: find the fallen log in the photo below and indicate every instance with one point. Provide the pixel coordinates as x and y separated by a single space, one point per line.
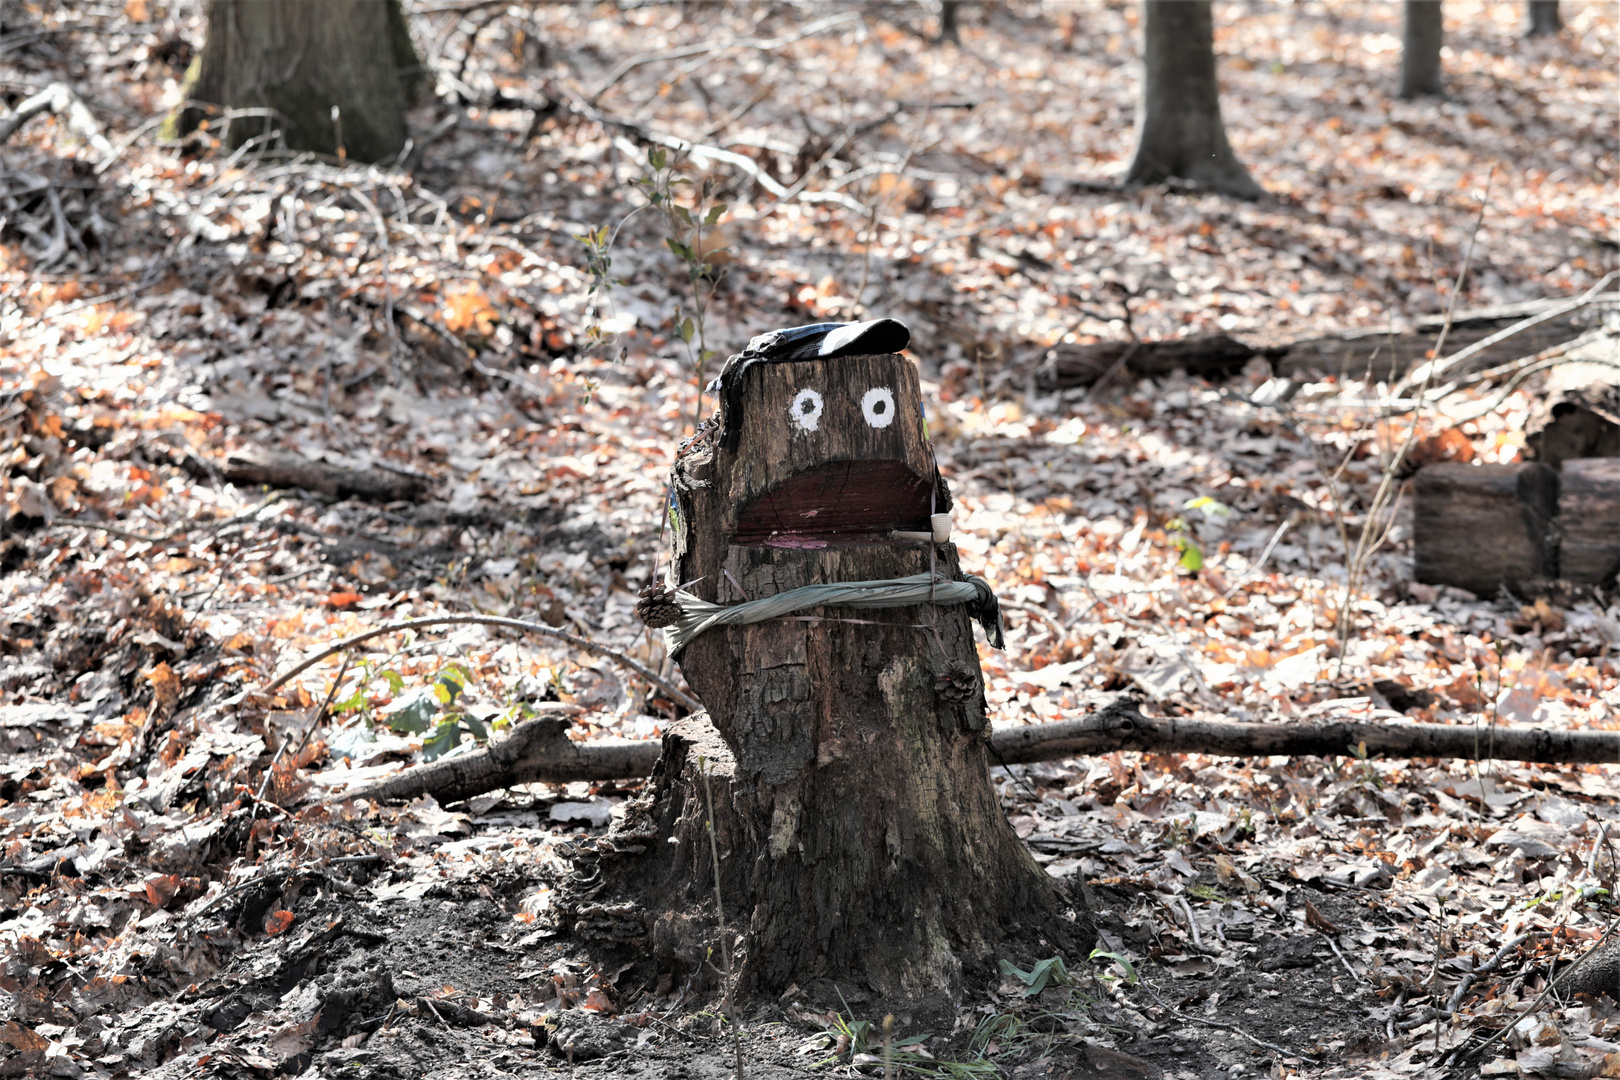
1206 356
283 470
1352 354
539 750
1478 527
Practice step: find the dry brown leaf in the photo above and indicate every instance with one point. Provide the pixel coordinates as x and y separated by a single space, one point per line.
165 688
1317 921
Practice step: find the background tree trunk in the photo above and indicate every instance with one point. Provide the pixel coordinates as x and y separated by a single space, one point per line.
862 843
1420 49
1179 132
302 58
1542 18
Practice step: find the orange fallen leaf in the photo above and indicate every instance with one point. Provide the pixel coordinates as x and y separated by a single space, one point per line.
277 921
161 889
165 687
343 599
597 1001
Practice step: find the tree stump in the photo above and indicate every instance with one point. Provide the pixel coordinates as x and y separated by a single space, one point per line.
861 841
1589 511
1479 527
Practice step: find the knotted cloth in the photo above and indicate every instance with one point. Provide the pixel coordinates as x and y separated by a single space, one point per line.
698 615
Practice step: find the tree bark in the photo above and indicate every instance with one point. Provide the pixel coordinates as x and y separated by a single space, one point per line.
861 839
1542 18
1480 527
537 751
1179 132
305 59
1589 513
1208 356
1420 49
295 471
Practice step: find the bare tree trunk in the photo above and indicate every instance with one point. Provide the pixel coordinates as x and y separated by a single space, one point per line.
1542 18
860 836
1420 50
948 10
338 73
1179 132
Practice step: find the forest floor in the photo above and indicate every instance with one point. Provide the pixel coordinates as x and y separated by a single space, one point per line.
184 892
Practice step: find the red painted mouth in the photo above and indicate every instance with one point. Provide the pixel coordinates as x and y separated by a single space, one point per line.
842 502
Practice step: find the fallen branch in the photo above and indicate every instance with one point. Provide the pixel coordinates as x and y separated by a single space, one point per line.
583 644
1120 726
681 52
531 756
537 749
57 98
338 481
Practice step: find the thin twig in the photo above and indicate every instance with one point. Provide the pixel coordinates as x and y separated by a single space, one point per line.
1233 1028
584 644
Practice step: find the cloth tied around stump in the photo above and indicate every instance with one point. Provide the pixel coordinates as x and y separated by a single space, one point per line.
684 616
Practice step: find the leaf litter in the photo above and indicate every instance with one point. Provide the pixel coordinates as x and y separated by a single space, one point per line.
184 890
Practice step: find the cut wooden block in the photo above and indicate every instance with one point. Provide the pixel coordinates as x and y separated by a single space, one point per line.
1589 511
1479 527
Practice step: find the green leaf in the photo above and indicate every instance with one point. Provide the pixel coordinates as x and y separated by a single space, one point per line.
446 736
356 701
476 726
1008 968
686 330
657 157
716 212
1210 507
1191 558
683 213
1130 969
1050 970
451 682
396 684
414 712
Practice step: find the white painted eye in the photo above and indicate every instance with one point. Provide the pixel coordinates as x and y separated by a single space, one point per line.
806 410
878 406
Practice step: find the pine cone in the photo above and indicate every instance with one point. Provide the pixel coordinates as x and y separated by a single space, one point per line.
957 681
657 607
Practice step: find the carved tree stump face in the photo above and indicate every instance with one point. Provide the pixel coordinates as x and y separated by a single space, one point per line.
832 452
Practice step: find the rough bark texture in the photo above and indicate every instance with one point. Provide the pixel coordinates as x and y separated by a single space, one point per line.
1479 527
1420 49
1179 132
1598 972
302 58
1354 354
1389 356
1207 356
1589 511
539 751
1542 18
293 471
861 838
1119 726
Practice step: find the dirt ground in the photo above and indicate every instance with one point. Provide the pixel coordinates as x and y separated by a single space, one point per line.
184 891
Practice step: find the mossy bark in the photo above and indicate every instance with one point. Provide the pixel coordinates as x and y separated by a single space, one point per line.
861 839
302 59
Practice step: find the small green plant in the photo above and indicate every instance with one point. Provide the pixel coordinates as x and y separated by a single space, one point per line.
1050 971
685 225
1123 961
414 713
